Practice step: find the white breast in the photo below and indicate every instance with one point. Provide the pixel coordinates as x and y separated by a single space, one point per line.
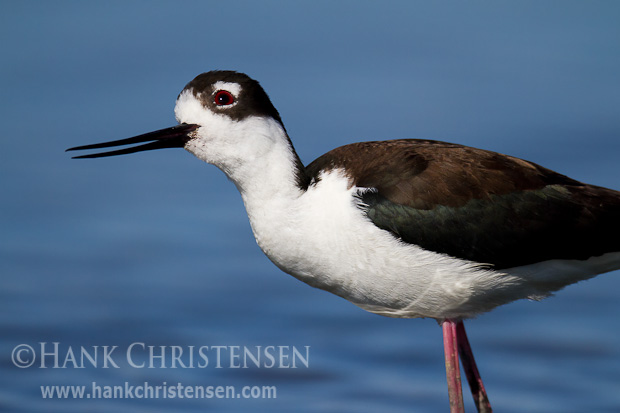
324 239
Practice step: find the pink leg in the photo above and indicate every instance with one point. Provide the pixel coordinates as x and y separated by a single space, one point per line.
471 371
453 371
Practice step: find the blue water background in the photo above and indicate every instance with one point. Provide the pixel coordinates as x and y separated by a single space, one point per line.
156 247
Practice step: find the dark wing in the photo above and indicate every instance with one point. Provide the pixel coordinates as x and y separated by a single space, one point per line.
478 205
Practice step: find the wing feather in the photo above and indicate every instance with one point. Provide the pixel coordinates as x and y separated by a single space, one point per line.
477 205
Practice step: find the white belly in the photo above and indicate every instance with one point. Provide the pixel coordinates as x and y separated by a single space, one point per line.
325 240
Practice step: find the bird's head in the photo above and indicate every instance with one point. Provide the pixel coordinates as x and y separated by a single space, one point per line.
225 118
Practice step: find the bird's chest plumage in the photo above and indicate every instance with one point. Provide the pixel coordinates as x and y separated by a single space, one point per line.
323 237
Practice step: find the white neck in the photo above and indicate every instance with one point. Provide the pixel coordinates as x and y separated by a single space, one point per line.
269 189
265 177
270 173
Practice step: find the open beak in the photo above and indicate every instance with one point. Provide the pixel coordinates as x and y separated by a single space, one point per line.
174 137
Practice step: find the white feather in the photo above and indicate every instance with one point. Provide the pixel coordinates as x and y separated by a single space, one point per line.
232 87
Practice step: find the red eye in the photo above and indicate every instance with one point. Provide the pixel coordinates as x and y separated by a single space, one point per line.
223 98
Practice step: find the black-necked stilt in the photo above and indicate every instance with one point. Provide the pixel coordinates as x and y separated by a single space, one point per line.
401 228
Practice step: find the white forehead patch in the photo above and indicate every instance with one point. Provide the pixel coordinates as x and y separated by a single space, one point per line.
232 87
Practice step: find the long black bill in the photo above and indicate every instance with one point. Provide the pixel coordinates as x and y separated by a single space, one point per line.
174 137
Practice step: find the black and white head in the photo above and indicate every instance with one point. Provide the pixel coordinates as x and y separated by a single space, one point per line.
226 119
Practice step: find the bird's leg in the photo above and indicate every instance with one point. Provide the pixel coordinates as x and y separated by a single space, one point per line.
453 372
471 371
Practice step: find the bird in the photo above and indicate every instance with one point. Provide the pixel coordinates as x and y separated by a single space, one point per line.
408 228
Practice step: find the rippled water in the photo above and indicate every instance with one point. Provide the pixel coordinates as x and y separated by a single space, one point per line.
156 248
